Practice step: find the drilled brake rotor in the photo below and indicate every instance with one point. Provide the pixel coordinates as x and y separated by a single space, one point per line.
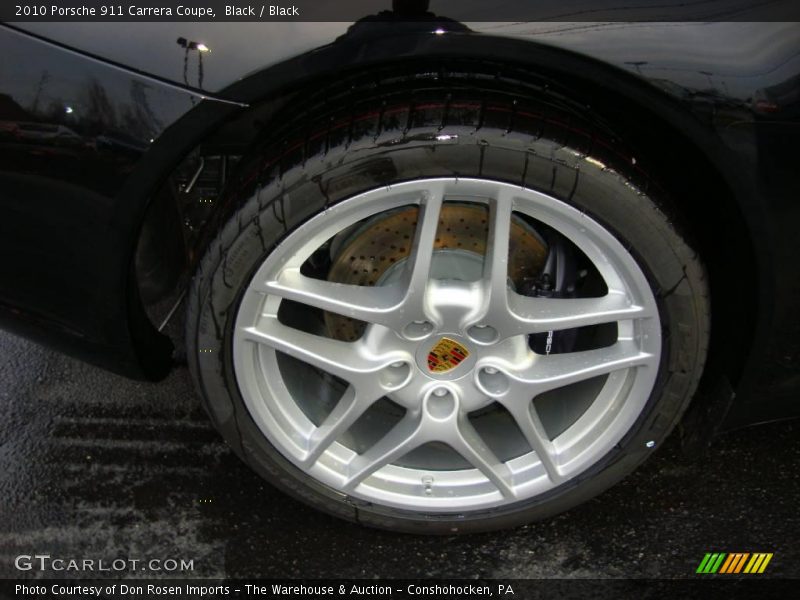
366 255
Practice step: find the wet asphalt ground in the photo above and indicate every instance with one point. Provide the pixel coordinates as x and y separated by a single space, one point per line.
94 465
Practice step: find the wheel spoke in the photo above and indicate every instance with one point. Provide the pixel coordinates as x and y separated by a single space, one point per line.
469 444
342 359
400 440
495 270
530 425
558 370
538 315
346 412
418 266
365 303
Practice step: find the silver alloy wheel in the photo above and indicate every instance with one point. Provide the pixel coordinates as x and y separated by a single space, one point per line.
412 314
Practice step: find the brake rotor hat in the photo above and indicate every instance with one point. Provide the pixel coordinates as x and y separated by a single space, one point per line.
373 253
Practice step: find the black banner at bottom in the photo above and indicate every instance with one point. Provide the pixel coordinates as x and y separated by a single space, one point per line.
508 589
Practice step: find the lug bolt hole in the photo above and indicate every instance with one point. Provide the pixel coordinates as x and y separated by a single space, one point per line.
418 330
493 381
440 404
483 334
395 375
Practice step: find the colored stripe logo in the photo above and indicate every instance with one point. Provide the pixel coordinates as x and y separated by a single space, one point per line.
734 562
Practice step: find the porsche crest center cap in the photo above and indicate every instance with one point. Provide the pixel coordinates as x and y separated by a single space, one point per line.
446 355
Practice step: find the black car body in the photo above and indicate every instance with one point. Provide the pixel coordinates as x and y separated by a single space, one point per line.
116 144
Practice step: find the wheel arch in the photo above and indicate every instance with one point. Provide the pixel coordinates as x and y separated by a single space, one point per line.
722 196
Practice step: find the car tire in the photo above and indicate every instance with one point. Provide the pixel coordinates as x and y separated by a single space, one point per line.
351 152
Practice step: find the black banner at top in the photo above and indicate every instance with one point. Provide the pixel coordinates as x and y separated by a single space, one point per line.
353 10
